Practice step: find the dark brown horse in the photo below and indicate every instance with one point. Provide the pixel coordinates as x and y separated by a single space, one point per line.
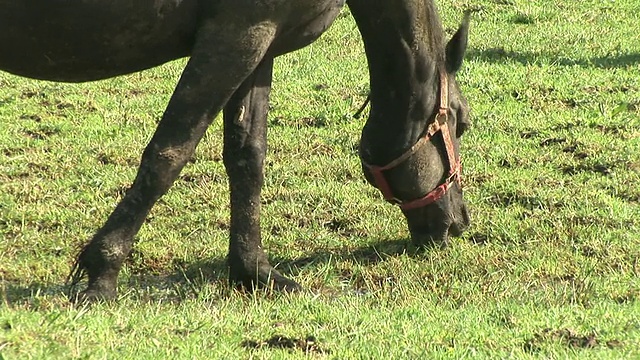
409 145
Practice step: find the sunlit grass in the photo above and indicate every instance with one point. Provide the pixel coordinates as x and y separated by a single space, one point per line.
549 268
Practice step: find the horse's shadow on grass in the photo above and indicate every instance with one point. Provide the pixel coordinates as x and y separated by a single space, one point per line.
31 294
190 278
370 254
501 55
187 279
215 270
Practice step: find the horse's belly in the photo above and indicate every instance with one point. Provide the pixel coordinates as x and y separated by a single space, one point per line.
308 30
83 40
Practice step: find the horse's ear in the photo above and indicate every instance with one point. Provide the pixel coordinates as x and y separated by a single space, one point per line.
457 46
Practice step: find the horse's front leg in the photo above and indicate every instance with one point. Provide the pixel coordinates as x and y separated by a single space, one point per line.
223 56
245 144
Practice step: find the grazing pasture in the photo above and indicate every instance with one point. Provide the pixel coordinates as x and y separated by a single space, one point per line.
549 268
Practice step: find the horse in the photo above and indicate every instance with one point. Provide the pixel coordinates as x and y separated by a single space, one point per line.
409 146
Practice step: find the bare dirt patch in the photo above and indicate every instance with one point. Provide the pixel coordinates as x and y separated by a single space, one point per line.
569 338
598 168
552 141
308 345
41 134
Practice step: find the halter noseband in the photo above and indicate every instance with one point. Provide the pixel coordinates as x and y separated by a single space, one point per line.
439 124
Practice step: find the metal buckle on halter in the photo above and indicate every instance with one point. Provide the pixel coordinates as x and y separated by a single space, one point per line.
455 175
442 116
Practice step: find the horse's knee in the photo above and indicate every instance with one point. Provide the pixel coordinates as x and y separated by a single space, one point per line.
159 169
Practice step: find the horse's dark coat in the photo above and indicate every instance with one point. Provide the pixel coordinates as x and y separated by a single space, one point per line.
231 44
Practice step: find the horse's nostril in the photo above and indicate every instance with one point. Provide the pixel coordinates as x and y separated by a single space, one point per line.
460 225
455 230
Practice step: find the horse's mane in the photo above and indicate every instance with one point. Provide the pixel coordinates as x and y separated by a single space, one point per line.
435 32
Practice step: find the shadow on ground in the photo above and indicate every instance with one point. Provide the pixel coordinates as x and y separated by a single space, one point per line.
212 271
186 279
500 55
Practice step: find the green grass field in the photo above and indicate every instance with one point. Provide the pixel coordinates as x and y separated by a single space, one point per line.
549 269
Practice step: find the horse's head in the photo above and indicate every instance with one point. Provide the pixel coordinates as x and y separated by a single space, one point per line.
414 158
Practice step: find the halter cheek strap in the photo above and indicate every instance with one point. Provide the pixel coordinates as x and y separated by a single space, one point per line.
440 124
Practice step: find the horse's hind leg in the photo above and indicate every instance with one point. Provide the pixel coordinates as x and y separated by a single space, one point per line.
245 131
223 56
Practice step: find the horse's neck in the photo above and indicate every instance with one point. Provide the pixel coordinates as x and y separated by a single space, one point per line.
403 43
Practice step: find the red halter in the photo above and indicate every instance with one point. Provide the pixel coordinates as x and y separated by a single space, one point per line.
455 166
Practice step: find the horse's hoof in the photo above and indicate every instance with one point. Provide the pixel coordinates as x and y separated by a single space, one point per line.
283 284
265 279
93 296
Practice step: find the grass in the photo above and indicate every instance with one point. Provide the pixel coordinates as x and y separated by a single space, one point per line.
549 268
